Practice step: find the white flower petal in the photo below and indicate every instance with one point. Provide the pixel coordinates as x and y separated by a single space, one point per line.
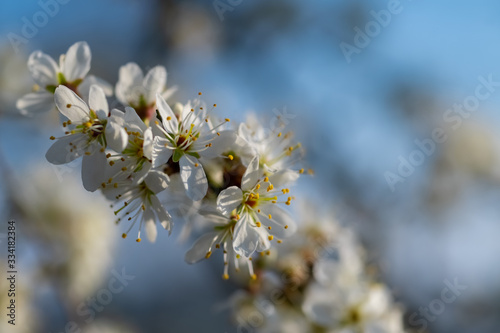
129 86
98 101
168 117
133 120
89 81
150 225
163 216
160 154
61 152
246 238
157 181
193 177
70 105
34 103
169 92
116 136
229 199
77 61
147 145
279 220
251 175
43 69
321 307
282 177
154 82
220 144
93 174
200 248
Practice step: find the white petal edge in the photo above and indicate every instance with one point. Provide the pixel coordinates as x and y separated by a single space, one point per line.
193 177
229 199
70 105
77 61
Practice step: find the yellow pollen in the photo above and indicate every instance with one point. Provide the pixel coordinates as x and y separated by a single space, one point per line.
270 187
157 122
124 169
270 216
218 134
270 237
199 94
231 157
68 105
215 105
290 148
266 179
301 171
258 210
268 252
209 253
227 119
196 164
257 187
279 134
237 216
310 171
225 277
258 224
279 241
269 227
286 227
254 277
87 153
111 163
124 236
138 240
217 246
238 256
52 138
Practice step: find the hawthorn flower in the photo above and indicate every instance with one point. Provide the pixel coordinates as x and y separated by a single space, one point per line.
48 75
139 92
259 219
361 309
136 157
220 237
138 202
89 131
186 138
276 150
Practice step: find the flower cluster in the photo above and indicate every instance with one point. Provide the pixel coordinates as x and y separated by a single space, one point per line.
159 162
148 152
319 284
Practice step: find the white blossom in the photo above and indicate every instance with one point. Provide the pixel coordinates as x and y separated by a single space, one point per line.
71 71
187 139
256 210
89 131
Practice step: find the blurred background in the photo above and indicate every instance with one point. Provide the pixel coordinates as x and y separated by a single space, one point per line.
365 104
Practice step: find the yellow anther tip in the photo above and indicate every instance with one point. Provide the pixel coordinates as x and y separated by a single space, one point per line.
231 157
271 237
138 240
124 236
254 277
209 253
225 276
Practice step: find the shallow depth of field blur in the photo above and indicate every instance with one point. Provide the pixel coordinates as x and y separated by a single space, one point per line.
363 119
